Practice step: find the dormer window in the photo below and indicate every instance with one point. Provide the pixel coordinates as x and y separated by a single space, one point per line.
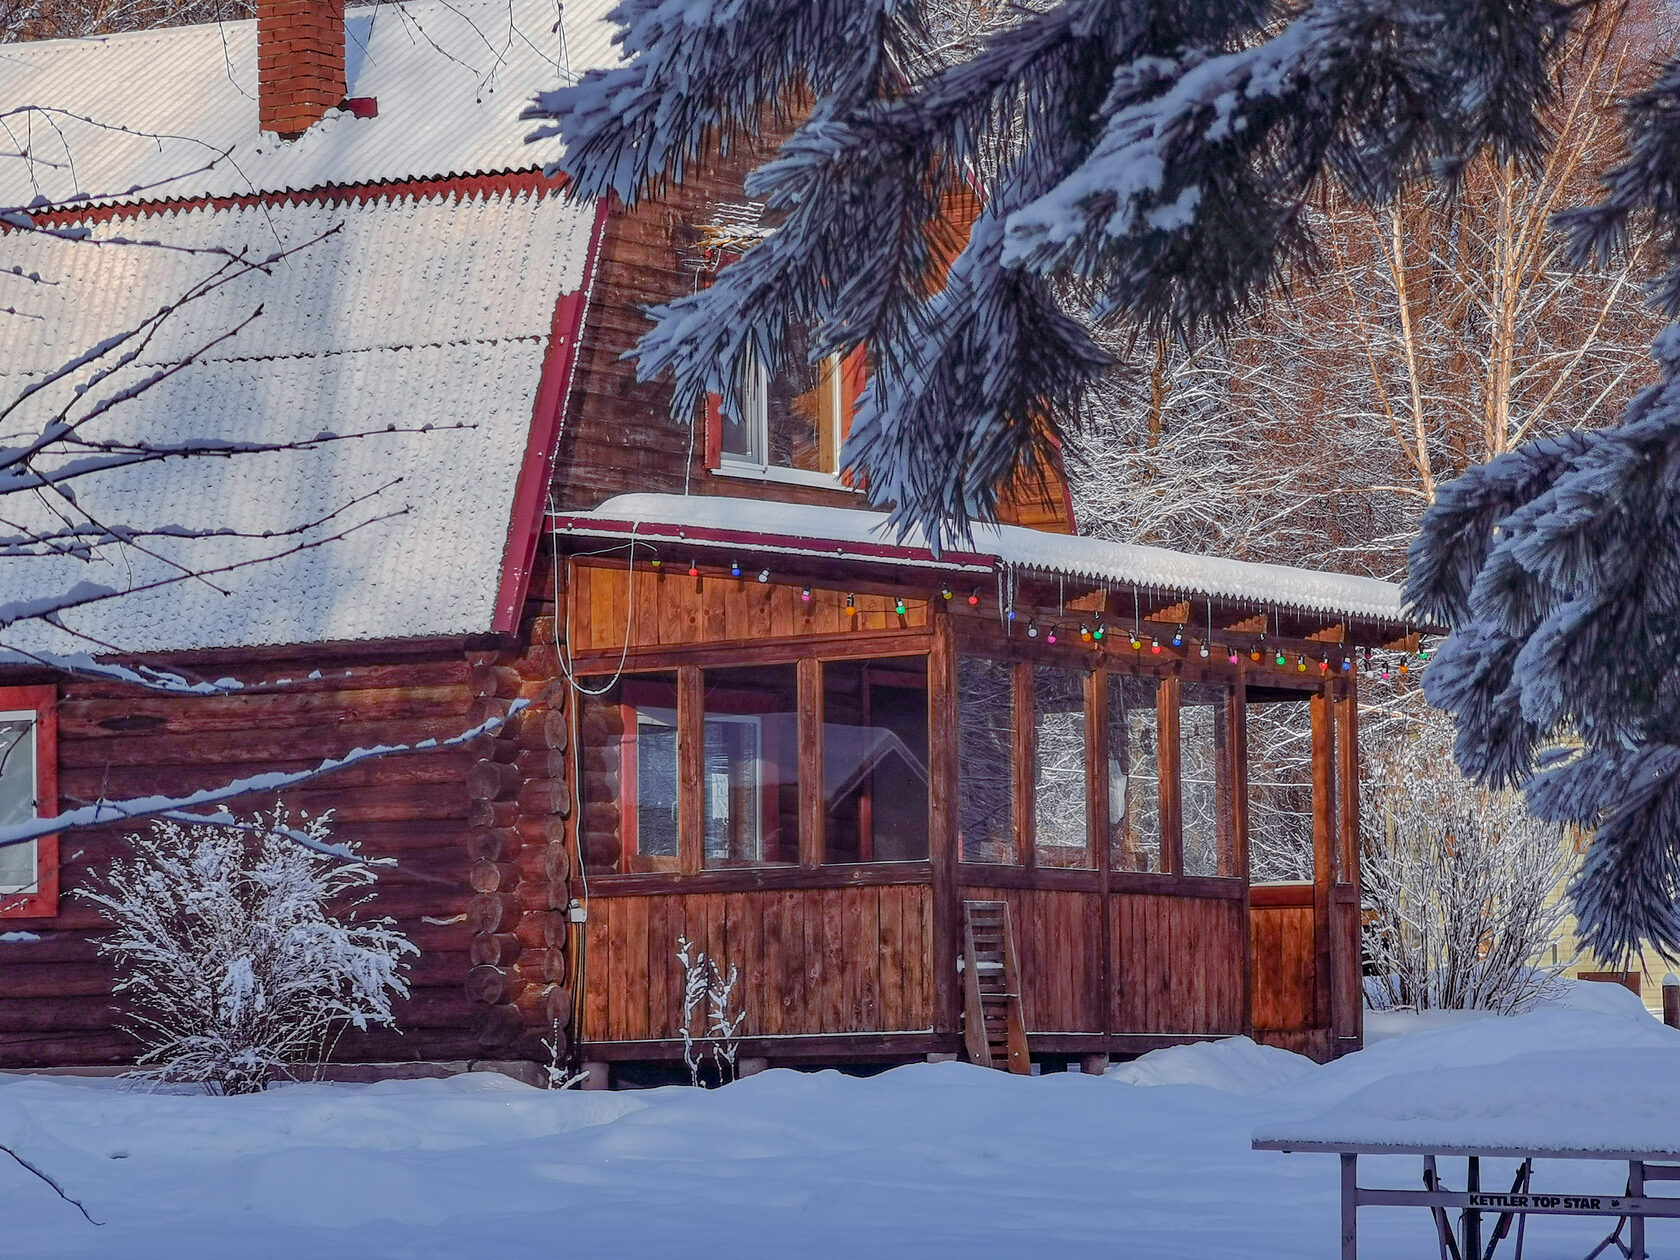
790 421
792 424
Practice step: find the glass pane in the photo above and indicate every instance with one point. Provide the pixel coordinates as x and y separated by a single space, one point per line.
800 411
17 801
1061 827
875 751
743 439
1204 790
629 791
985 759
1134 773
751 775
1280 805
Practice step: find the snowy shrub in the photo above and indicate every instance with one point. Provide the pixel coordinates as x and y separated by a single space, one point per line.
239 952
708 997
1461 887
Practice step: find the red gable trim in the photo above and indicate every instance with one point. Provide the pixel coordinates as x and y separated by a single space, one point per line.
326 194
531 493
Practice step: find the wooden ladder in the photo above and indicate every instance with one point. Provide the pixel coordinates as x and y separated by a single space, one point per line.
993 1026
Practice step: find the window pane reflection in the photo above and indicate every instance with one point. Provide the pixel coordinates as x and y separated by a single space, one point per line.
985 760
1134 773
875 755
1060 816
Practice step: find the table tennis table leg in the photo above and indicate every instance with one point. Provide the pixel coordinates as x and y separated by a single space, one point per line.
1350 1207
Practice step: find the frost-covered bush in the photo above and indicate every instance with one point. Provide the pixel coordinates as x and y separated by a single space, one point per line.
1460 886
239 951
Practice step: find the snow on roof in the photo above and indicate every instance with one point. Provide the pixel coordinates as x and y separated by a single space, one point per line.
1026 550
450 77
414 315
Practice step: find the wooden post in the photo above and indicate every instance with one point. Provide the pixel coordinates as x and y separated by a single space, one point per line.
751 1067
1347 796
1671 1000
943 823
1324 837
1025 730
596 1076
1093 1064
812 811
1238 708
1167 748
1096 761
691 770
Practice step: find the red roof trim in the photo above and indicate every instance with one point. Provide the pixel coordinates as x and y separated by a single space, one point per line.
458 185
531 493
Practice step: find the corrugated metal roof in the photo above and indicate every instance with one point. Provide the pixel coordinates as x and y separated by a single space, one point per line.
415 315
818 530
390 272
450 76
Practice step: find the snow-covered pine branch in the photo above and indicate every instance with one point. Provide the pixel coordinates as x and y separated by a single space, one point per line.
1159 155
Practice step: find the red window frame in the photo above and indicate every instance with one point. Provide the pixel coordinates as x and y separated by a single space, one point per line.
43 702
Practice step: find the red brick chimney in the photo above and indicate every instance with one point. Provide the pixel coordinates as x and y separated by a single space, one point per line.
300 63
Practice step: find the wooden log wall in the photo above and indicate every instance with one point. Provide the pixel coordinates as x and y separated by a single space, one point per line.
811 962
522 861
483 870
55 992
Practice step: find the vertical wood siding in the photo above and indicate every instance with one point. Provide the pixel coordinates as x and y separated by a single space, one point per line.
814 961
1178 964
611 607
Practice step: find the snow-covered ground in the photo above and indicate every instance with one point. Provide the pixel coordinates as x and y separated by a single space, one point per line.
1152 1160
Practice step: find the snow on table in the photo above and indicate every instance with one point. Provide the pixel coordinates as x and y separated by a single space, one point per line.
1621 1103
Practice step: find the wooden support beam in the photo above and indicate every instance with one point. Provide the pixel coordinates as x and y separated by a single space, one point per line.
1324 834
943 822
1168 757
812 814
691 768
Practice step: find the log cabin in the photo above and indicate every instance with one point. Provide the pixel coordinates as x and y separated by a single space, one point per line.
1043 799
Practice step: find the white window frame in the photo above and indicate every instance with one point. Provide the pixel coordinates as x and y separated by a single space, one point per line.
755 464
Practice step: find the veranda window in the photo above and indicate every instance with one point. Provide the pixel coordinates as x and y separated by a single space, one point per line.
751 767
985 760
1061 815
875 760
1280 788
630 775
1134 773
1207 821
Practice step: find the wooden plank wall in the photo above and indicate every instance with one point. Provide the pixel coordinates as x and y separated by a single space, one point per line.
1177 963
1059 938
665 607
837 960
55 1004
1283 967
